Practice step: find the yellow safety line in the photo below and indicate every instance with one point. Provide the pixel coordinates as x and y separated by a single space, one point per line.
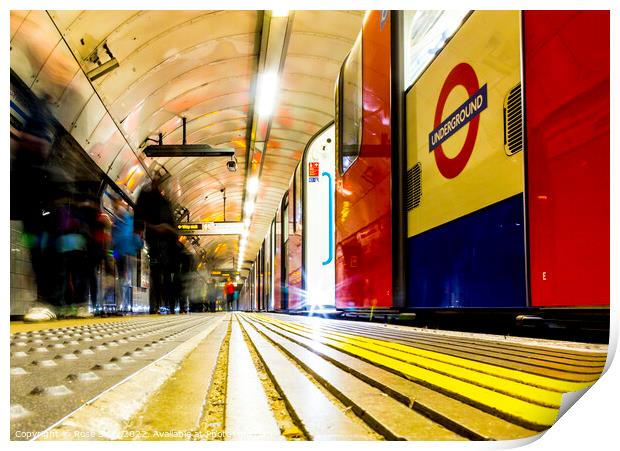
591 360
535 380
499 402
517 389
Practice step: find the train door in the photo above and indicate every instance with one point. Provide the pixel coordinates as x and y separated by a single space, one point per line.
465 187
252 287
318 219
293 245
567 129
267 249
271 267
259 278
363 170
284 252
277 262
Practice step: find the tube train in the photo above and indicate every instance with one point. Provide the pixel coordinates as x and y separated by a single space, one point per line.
467 169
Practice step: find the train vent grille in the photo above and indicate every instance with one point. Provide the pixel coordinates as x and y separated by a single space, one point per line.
513 121
414 187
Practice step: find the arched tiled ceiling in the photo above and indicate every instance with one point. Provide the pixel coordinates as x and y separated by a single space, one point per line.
201 65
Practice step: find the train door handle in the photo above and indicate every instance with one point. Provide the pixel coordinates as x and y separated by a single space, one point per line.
330 218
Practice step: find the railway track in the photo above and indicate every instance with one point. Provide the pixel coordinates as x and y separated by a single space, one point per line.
278 377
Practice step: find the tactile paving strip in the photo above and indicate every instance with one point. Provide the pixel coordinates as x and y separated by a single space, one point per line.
525 399
55 371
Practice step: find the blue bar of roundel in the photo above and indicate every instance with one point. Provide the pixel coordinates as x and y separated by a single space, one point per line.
482 91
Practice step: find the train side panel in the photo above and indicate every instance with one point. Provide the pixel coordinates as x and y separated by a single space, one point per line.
465 215
568 148
363 186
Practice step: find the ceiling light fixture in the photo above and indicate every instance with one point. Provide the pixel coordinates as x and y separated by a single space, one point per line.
277 27
253 185
267 90
279 12
248 208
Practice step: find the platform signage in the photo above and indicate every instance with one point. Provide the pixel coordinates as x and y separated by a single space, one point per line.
189 226
209 228
224 273
467 113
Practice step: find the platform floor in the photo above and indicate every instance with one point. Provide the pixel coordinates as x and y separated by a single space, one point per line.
251 376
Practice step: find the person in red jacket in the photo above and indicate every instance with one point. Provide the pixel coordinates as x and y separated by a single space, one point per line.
229 291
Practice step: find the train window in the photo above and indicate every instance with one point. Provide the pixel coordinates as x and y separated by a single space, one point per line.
107 201
350 108
298 201
425 34
285 218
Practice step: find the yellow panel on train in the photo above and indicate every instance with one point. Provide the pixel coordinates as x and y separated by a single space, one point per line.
465 88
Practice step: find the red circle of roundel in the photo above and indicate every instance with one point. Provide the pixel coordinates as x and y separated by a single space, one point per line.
462 74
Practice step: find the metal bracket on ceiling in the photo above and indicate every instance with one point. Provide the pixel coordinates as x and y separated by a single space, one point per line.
159 141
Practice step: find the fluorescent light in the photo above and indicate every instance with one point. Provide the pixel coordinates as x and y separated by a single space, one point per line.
245 233
247 221
253 185
279 12
267 89
248 208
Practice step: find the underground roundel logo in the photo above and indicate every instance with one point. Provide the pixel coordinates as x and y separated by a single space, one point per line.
468 113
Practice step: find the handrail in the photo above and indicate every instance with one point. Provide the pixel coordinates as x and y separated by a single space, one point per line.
331 219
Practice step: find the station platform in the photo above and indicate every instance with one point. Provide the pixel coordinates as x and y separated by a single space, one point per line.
262 376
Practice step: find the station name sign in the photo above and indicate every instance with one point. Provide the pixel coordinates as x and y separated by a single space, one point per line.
209 228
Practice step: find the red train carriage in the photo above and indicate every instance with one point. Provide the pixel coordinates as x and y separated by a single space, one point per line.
462 158
497 165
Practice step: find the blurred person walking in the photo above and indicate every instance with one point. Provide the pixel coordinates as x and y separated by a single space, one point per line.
125 246
229 291
211 294
36 182
183 266
154 220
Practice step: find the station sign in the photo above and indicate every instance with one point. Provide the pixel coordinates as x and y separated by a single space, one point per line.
209 228
189 226
224 273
